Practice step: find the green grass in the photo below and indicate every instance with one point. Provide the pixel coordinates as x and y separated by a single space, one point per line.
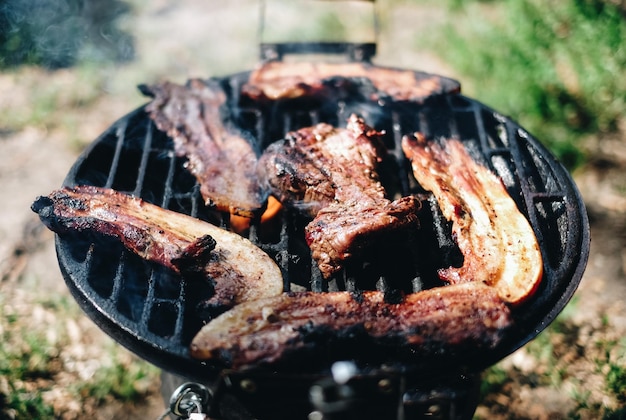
493 380
613 365
557 67
118 379
31 360
553 351
25 355
541 349
22 404
52 97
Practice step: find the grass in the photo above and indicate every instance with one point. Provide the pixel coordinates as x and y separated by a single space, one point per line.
22 404
612 364
35 359
50 95
558 67
541 349
118 379
25 356
559 358
28 361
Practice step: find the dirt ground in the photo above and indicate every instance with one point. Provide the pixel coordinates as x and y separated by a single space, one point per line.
36 156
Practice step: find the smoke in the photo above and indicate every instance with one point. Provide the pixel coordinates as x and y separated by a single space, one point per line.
59 33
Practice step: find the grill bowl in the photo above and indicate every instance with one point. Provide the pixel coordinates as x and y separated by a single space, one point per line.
155 313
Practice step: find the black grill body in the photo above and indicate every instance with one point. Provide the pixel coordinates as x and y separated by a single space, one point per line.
155 313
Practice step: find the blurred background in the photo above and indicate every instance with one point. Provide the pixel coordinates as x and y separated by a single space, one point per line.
69 69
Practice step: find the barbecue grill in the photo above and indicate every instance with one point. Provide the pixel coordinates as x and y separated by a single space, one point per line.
155 314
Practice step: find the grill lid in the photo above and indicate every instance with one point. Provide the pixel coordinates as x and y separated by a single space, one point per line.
156 314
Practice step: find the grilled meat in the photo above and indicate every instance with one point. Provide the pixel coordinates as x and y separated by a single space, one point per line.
330 174
341 230
453 321
239 270
289 80
219 156
497 242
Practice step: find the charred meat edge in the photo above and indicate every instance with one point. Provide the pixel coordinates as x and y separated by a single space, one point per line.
498 243
238 269
218 155
330 174
289 80
446 320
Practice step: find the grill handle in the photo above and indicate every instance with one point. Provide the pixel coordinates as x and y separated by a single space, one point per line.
354 51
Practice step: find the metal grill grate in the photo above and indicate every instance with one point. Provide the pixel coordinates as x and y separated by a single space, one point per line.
155 314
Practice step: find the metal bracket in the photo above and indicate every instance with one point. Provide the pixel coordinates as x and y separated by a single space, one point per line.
189 401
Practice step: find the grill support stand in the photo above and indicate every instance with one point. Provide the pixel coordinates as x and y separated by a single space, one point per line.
243 396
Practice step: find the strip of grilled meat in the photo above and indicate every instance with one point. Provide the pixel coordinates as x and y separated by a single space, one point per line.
219 156
289 80
451 321
497 242
330 173
239 270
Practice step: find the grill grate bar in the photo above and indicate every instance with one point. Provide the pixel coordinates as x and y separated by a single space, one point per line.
423 124
180 314
168 191
401 161
480 126
315 117
350 284
520 170
118 280
317 281
539 197
150 301
121 136
145 157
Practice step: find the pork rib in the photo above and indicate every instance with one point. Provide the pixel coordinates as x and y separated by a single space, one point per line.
497 242
330 174
219 156
449 320
239 270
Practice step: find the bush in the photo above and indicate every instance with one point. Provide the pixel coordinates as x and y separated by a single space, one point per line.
558 67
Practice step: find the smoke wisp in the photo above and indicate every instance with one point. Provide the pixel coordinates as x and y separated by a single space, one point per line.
59 33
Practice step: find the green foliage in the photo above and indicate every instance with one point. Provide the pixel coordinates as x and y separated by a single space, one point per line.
558 67
542 348
22 404
616 381
119 380
552 350
30 360
58 102
24 355
493 380
613 366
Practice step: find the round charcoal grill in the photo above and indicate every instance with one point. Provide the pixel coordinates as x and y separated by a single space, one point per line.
155 313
